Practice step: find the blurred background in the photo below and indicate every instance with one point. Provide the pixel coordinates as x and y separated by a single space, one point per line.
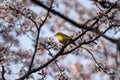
25 30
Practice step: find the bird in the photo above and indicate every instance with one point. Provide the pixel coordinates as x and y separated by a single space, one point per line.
63 38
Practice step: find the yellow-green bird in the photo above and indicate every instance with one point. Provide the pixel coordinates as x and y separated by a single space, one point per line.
63 38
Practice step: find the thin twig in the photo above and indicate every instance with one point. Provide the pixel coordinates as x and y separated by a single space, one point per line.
91 55
1 49
38 33
55 61
25 16
3 73
36 45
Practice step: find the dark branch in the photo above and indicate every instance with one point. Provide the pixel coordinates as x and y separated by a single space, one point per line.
3 73
62 16
36 44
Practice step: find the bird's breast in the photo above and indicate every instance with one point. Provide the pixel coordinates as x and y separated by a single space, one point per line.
59 38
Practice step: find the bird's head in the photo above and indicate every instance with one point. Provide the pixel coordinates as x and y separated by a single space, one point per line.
58 34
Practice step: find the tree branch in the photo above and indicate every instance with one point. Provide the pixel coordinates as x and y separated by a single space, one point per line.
62 16
36 45
3 73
